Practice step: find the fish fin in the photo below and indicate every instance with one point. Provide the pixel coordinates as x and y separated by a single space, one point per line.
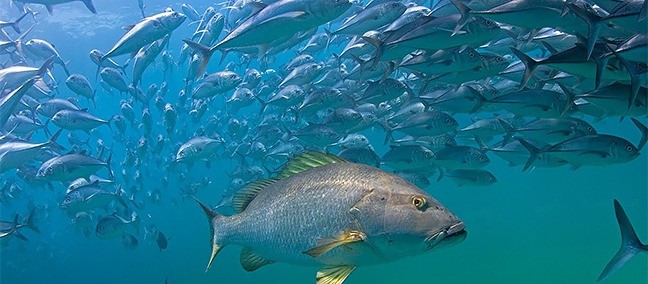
205 52
630 243
90 6
50 9
29 221
534 153
308 161
329 244
245 195
644 133
334 274
251 261
465 16
256 7
593 23
441 174
212 217
530 64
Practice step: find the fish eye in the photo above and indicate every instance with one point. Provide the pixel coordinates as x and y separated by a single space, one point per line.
480 156
629 148
419 202
447 120
590 129
489 23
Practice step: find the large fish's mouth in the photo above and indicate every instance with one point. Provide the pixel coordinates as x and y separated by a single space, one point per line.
450 235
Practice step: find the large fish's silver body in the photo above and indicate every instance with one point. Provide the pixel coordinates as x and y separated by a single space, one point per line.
145 32
302 210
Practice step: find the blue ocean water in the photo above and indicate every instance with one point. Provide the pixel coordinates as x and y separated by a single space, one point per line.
547 225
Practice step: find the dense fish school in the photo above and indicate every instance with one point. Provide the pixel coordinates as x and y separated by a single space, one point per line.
313 132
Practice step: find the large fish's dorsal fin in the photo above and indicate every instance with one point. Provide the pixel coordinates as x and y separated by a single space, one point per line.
251 261
334 274
308 161
244 196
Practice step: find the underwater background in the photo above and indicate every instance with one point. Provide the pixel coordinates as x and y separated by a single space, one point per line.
546 225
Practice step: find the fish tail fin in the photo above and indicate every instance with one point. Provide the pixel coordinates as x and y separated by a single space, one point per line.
14 24
108 162
14 229
509 129
388 130
465 15
630 244
28 221
441 174
263 103
380 49
52 141
480 99
205 54
212 217
64 65
593 23
45 67
534 153
644 133
482 145
90 6
530 64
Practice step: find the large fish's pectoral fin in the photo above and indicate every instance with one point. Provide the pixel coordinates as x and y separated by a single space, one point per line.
334 274
342 239
251 261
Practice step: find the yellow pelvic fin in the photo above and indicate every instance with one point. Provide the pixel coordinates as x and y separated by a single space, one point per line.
251 261
334 274
342 239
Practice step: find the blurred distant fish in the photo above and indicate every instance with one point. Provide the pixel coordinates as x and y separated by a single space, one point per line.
114 226
162 241
49 4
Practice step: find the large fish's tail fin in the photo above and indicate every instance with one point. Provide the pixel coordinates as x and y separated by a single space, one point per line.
465 15
14 229
534 153
28 221
90 6
530 64
14 24
630 244
644 133
212 217
205 55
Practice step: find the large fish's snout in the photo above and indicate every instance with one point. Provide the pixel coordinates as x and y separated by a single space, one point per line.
451 234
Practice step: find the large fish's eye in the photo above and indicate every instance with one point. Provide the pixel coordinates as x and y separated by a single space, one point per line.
419 202
629 148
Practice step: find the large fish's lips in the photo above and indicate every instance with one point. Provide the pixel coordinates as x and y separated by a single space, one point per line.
447 236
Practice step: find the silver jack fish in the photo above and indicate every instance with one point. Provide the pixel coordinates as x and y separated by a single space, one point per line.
322 210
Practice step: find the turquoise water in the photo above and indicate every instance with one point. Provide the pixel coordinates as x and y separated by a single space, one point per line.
548 225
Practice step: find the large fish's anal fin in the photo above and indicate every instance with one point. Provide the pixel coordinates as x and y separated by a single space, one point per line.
251 261
334 274
342 239
630 244
212 217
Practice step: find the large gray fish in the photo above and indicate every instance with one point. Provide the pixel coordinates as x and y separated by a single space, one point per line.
15 153
276 21
372 18
367 216
630 243
71 166
13 24
89 197
77 120
146 31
